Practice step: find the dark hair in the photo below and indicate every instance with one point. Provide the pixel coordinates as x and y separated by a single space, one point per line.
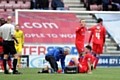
89 47
99 20
2 21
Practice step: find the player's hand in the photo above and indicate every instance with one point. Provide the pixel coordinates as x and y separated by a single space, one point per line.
16 44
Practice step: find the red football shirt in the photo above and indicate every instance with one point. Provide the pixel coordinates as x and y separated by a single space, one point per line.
84 65
87 57
80 36
98 33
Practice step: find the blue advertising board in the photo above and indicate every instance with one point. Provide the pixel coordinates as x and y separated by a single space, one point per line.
109 61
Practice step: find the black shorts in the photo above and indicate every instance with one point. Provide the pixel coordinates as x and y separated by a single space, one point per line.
1 56
9 47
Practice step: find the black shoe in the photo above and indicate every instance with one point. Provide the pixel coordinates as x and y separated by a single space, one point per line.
6 72
92 67
40 71
16 72
13 69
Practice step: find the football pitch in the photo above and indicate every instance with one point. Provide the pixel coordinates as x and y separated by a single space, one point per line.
31 74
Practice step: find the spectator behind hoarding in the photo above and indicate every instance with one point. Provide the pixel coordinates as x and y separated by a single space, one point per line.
43 4
117 4
106 4
33 4
58 5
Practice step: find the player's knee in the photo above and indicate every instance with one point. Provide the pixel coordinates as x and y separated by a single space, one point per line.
5 56
15 56
19 54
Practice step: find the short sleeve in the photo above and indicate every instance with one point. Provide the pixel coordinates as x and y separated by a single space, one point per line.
12 29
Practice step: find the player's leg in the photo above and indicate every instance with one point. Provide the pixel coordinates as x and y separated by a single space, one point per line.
1 63
17 49
19 52
4 63
51 61
99 50
80 48
81 57
73 62
96 61
56 66
10 63
15 55
5 55
94 50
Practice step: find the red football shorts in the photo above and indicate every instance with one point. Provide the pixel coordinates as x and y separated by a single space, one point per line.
1 49
80 47
97 48
82 69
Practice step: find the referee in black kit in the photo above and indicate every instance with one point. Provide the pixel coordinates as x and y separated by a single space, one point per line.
7 34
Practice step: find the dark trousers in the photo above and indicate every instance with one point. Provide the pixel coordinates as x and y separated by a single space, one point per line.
105 7
52 62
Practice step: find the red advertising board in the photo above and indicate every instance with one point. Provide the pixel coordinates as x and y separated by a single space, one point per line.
43 27
4 14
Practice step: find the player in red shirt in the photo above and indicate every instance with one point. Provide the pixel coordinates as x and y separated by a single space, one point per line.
84 65
80 36
98 33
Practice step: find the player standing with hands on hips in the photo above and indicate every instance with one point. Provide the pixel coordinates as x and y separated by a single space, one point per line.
98 33
80 36
7 34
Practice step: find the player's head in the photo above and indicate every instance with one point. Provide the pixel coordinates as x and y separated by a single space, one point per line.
17 27
100 20
9 19
66 51
2 21
82 22
88 49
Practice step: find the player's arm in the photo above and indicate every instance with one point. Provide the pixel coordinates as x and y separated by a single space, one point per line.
90 39
22 37
90 29
78 29
104 35
12 34
89 67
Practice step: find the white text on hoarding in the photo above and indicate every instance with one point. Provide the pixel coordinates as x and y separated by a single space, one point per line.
37 25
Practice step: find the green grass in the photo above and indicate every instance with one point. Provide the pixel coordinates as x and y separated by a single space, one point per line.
31 74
